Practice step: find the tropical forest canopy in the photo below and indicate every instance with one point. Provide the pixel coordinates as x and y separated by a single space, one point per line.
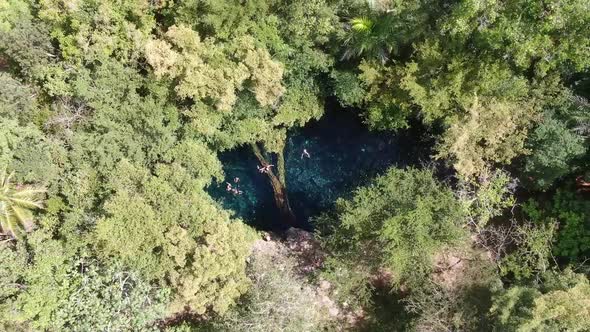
115 115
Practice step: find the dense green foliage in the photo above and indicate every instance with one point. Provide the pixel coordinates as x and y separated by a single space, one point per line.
560 305
483 70
558 144
571 213
113 115
399 221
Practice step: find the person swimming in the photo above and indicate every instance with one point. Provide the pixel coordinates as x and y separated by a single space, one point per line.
305 154
233 190
264 169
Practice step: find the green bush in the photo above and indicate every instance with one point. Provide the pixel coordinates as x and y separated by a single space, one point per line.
554 147
571 213
398 221
563 308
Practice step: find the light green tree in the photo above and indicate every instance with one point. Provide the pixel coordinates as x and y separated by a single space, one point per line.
399 222
491 132
167 228
562 310
58 291
506 53
565 307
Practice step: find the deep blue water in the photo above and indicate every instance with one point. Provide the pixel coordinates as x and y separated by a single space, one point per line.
343 155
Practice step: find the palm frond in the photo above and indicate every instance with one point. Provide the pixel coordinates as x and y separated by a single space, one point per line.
30 192
371 37
7 224
361 24
26 203
6 179
16 205
4 182
24 217
20 215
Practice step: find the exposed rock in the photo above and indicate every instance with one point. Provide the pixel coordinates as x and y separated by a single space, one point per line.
448 268
309 257
325 285
306 249
453 265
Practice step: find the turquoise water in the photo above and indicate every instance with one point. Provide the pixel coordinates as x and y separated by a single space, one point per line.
343 155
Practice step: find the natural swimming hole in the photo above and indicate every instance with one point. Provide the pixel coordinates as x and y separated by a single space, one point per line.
343 154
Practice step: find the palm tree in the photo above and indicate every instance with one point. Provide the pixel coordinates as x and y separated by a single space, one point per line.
16 205
370 37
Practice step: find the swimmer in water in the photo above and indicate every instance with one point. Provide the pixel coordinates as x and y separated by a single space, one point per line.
305 154
233 190
264 169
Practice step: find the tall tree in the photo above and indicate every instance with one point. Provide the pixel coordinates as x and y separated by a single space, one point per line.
397 222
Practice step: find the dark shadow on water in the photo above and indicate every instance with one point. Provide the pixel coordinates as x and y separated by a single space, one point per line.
343 155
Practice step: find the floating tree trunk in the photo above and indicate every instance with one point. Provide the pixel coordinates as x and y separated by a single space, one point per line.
278 183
